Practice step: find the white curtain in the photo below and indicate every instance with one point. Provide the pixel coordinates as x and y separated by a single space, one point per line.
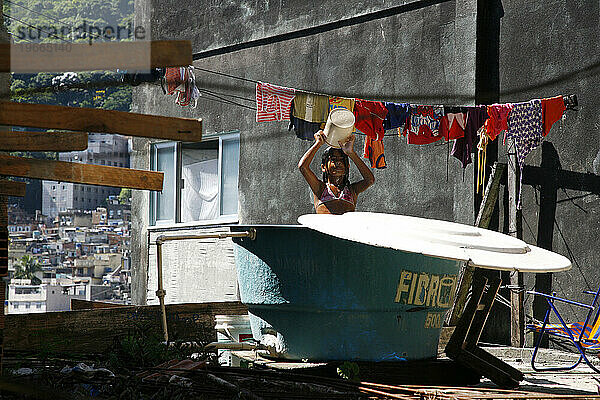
199 196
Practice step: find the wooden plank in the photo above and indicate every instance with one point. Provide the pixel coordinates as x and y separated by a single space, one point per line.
80 173
483 221
517 310
43 141
12 188
491 195
455 344
97 120
482 314
489 366
60 57
78 304
96 331
462 346
466 280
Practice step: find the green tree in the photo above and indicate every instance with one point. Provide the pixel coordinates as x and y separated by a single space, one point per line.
60 22
26 269
124 196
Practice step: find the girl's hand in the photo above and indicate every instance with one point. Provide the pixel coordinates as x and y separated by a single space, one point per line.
348 146
320 138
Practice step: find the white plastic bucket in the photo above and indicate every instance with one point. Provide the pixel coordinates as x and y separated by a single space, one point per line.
339 126
231 328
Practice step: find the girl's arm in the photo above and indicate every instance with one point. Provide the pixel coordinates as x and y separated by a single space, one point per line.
316 185
365 171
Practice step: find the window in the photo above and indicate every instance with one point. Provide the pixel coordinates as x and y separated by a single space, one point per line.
200 180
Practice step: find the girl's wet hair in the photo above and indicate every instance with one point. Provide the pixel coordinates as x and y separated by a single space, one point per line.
327 155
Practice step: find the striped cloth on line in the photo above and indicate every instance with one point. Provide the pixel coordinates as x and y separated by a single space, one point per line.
591 335
273 102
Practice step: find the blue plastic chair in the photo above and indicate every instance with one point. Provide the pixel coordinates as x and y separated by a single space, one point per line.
583 335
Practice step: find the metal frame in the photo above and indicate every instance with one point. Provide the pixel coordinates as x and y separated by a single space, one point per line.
576 342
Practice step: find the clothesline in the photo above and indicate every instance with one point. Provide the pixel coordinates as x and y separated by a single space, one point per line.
470 127
570 100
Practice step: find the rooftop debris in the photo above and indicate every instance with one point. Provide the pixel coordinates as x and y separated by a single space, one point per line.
182 379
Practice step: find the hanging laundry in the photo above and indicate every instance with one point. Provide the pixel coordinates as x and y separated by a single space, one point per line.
181 82
374 152
497 121
484 139
423 124
552 110
525 127
311 107
369 118
341 102
273 102
463 147
304 130
452 125
396 116
173 78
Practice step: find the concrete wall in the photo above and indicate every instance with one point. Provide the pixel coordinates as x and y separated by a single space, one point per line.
549 49
450 52
422 51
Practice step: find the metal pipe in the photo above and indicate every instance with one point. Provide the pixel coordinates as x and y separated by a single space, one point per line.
251 233
160 293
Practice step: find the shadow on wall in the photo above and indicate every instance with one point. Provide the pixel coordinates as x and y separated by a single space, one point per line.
548 179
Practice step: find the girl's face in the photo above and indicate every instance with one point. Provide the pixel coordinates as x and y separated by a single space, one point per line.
336 164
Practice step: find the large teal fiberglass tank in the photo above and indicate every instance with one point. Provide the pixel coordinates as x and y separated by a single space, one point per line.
362 286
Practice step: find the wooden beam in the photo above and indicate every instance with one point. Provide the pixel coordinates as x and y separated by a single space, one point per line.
483 221
517 309
43 141
12 188
60 57
95 331
80 173
103 121
490 196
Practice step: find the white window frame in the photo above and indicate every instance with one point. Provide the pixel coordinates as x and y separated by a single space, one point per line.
222 138
154 194
177 146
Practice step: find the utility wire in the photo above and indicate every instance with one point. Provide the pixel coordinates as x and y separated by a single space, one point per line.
226 75
228 95
225 100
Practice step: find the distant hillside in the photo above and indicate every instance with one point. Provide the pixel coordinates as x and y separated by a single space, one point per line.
61 22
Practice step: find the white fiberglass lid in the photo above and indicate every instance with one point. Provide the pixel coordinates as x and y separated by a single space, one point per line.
480 247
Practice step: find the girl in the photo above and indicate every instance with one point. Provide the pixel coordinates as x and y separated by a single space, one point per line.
335 194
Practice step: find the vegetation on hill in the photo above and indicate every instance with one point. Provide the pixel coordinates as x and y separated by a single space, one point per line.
63 22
